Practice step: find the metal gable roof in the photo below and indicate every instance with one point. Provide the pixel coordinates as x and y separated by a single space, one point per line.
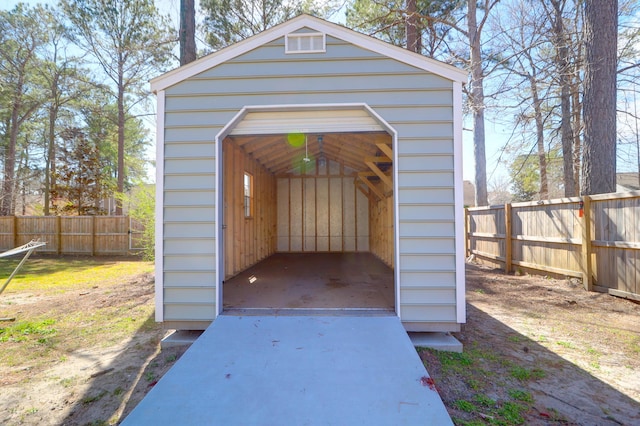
367 42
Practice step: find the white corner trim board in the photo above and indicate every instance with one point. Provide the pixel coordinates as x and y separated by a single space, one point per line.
461 313
159 252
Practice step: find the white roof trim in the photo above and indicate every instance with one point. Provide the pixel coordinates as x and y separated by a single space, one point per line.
364 41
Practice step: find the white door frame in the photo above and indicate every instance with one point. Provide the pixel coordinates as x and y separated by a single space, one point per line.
233 123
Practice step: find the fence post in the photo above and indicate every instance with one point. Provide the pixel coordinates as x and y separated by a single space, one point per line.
587 272
466 234
93 235
507 238
59 234
129 233
15 231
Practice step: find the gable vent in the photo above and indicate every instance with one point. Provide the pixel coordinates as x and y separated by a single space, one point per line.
305 43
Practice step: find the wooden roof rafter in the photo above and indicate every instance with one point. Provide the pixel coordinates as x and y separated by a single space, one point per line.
277 155
372 188
372 163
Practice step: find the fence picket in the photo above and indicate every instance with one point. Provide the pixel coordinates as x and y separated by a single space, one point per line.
78 235
602 246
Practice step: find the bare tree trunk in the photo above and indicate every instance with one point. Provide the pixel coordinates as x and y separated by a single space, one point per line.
49 165
476 99
187 32
576 123
8 186
542 155
562 62
635 107
121 123
567 141
411 26
22 178
599 101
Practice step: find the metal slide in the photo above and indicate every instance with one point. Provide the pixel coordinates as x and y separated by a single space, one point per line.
27 249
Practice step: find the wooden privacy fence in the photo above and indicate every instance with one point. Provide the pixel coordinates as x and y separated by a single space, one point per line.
88 235
595 238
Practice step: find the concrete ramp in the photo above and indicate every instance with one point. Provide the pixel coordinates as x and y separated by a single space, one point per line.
296 370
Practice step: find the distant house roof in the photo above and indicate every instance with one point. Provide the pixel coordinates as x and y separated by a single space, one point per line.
306 21
627 182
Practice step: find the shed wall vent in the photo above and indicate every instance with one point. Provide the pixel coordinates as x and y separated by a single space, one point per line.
305 43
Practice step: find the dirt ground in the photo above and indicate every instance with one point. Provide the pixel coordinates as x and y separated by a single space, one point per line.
95 385
583 346
587 345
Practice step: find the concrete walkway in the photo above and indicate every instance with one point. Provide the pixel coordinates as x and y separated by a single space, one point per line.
296 370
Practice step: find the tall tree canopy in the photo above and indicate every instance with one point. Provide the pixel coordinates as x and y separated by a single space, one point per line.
230 21
131 42
434 20
429 19
22 34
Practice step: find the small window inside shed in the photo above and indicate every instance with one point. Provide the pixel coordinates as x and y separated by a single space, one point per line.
248 195
305 43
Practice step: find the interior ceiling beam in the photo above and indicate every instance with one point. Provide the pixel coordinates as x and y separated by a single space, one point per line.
245 140
266 141
371 138
286 166
348 155
348 142
360 151
378 159
359 187
371 186
385 149
350 149
276 153
384 178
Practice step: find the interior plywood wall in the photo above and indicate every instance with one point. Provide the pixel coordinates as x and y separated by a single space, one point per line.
247 240
382 229
321 211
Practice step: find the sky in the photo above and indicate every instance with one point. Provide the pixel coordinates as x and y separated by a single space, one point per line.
495 136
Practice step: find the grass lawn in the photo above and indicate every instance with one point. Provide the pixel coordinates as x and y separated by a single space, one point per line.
60 274
90 314
83 348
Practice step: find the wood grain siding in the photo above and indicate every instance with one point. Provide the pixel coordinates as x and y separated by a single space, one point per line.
322 212
382 230
247 240
417 104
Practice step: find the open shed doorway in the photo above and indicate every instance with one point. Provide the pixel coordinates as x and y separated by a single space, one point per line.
308 222
308 216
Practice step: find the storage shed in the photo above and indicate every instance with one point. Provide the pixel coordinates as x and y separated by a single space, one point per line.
310 169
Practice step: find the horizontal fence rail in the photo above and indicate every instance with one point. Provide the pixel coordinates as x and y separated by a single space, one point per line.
595 238
77 235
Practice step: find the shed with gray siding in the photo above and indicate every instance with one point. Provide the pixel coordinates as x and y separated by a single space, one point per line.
310 138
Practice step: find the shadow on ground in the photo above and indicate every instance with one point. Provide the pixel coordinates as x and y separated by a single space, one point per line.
117 387
503 361
563 393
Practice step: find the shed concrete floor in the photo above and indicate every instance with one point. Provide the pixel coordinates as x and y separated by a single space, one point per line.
313 281
296 370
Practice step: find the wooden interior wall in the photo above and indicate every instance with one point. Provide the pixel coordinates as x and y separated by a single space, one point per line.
247 240
322 211
382 235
